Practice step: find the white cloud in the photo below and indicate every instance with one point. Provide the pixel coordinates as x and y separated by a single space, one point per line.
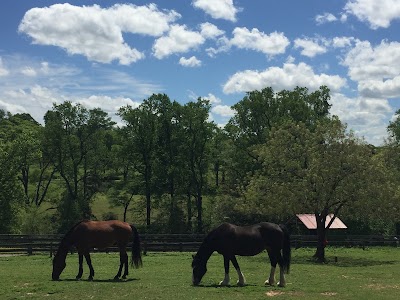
3 70
367 117
342 42
93 31
310 47
288 77
178 40
376 13
28 71
272 44
210 31
190 62
218 9
213 99
223 110
376 69
325 18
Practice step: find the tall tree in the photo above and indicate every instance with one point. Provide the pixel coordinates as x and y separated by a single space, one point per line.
73 139
257 113
322 171
140 135
197 134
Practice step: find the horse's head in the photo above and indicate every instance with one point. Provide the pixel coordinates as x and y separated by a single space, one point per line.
58 266
199 269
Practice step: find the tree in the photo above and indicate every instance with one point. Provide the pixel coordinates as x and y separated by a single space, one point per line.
73 142
323 171
257 113
140 135
197 132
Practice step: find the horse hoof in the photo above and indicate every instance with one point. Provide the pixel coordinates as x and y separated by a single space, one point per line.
281 284
78 278
267 282
241 283
123 277
224 283
90 279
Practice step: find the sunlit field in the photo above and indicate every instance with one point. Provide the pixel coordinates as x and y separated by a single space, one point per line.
373 273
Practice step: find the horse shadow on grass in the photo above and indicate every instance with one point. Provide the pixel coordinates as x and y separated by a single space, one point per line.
104 280
214 285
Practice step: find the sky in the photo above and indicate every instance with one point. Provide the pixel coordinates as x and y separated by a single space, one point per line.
108 54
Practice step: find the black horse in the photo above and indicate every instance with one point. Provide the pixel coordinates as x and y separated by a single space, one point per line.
87 235
230 240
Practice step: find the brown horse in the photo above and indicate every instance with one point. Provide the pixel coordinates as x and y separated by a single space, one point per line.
87 235
230 240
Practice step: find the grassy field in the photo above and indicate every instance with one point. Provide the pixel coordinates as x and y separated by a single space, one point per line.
373 273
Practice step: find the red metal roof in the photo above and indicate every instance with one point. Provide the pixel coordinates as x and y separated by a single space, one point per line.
309 221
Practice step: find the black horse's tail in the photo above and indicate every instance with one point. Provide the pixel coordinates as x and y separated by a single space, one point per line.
136 249
287 250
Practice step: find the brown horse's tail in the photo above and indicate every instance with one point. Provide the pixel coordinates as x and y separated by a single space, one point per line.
286 250
136 249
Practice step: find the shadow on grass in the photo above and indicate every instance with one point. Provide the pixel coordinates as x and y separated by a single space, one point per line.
102 280
342 261
221 286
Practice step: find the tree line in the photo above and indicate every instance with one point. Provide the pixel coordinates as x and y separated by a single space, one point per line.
281 153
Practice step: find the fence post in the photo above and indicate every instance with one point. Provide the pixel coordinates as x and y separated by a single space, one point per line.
30 250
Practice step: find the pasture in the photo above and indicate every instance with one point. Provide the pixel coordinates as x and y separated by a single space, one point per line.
373 273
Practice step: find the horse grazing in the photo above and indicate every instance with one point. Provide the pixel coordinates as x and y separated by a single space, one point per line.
87 235
230 240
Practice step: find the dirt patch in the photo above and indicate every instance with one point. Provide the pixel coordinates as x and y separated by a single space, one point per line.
329 294
274 293
279 293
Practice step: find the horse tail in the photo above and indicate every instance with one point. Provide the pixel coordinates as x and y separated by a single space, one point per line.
136 260
286 250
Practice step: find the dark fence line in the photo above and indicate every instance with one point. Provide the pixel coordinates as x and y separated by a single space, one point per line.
29 244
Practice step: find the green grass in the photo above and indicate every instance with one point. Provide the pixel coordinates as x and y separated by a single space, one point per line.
373 273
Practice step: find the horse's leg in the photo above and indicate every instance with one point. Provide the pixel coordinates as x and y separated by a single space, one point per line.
241 281
79 276
89 262
125 262
126 271
121 264
273 259
282 281
226 266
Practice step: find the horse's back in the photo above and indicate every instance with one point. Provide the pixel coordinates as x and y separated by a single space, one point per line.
102 234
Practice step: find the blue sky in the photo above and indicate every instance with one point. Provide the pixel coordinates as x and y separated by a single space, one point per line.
109 54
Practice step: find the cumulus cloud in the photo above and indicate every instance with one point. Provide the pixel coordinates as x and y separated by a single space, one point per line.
376 69
325 18
218 9
210 31
190 62
342 42
310 47
288 77
368 117
213 99
93 31
179 40
376 13
223 110
272 44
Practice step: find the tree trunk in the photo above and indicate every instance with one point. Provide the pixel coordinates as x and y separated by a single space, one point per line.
321 237
189 212
199 203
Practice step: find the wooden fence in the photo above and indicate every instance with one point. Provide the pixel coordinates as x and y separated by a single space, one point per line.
30 244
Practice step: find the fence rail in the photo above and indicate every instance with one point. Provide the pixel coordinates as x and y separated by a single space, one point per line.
30 244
